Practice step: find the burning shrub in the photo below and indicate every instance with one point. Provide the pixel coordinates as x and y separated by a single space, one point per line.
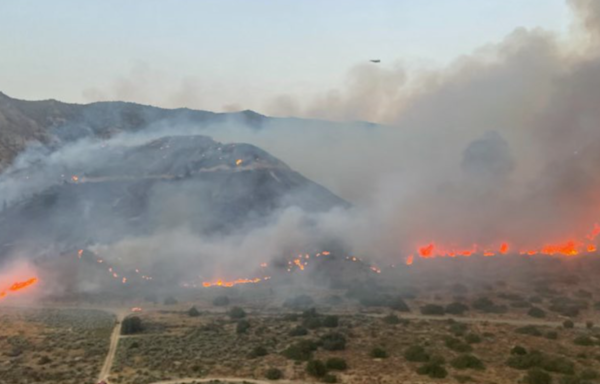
299 302
273 374
456 308
333 341
336 363
467 362
536 312
242 326
298 331
131 325
416 354
316 368
221 301
331 321
378 353
432 310
434 371
237 313
193 312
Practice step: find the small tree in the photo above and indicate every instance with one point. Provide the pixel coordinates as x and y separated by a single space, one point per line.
316 368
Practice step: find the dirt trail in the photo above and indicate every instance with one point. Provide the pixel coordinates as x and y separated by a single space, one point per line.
112 350
228 380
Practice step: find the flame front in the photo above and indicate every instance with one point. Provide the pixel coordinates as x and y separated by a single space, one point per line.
18 286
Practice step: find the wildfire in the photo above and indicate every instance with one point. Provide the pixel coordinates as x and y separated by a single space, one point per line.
568 248
18 286
239 162
228 284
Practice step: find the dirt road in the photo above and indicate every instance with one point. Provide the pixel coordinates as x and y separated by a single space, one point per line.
112 350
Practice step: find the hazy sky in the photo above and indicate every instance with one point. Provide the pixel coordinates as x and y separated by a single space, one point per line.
228 54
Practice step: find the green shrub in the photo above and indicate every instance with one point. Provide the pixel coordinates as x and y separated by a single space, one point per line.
432 310
329 378
273 374
298 331
537 376
242 326
467 362
336 364
378 353
237 313
316 368
456 308
432 370
416 354
331 321
333 341
221 301
457 345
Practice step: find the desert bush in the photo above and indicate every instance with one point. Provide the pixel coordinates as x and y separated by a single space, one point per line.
301 350
237 313
329 378
298 331
131 325
170 301
457 345
537 376
299 302
473 338
316 368
432 370
432 310
336 363
398 304
378 353
456 308
391 319
551 335
193 312
518 350
584 341
589 374
242 326
416 354
221 301
273 374
536 312
530 330
467 362
458 329
568 324
331 321
486 305
589 324
333 341
258 351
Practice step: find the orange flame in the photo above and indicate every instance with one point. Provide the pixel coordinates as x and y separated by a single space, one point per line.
18 286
